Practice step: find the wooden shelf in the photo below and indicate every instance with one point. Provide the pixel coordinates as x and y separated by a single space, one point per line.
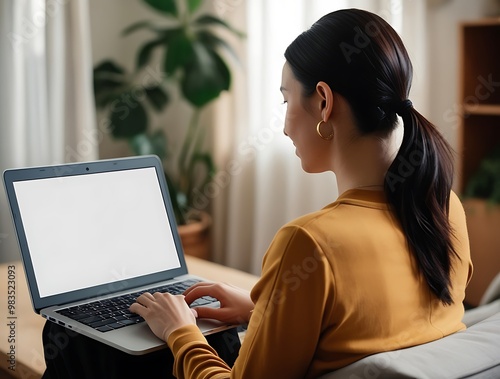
479 131
482 109
491 21
479 134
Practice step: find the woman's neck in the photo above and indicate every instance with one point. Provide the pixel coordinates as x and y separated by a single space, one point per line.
364 161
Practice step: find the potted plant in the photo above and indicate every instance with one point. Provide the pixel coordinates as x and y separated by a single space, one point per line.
485 183
482 207
192 62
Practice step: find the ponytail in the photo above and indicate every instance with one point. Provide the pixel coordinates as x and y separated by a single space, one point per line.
418 185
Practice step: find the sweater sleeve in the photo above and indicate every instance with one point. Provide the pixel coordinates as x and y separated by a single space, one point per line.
194 357
292 300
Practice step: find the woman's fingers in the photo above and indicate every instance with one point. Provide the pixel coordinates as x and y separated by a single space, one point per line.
163 312
142 302
145 297
197 286
138 309
204 289
235 303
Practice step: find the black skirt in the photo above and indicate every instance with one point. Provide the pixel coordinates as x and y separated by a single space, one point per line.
69 355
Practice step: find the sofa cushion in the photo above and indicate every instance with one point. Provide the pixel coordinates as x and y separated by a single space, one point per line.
472 353
492 292
475 315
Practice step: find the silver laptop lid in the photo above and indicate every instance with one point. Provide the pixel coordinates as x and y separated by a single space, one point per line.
90 229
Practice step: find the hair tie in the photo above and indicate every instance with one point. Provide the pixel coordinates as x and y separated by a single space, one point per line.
403 107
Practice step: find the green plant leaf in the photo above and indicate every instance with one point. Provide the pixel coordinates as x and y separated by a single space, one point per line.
165 39
146 144
206 160
128 117
205 175
164 6
179 200
159 141
178 53
109 66
485 183
212 20
157 97
105 98
214 41
205 77
193 5
137 26
107 78
146 50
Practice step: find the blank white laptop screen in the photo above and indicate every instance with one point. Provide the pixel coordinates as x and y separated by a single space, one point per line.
95 229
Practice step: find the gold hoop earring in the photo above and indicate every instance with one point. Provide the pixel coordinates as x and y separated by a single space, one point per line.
327 138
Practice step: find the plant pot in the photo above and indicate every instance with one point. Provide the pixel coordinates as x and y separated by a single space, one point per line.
483 224
195 236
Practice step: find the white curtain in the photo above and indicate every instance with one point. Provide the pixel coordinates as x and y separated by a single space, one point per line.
46 101
265 186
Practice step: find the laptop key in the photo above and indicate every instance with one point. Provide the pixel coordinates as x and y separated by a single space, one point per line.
199 302
113 313
79 317
127 322
104 328
90 320
136 319
98 324
116 325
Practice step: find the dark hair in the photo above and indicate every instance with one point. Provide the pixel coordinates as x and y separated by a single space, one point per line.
361 57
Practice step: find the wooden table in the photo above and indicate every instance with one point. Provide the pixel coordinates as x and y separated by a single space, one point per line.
26 326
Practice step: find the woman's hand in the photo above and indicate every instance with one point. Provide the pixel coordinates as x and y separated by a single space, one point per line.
235 303
163 312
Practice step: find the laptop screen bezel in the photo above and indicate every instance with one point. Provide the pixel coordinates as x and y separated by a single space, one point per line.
23 174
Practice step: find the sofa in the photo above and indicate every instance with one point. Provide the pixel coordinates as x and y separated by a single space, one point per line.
472 353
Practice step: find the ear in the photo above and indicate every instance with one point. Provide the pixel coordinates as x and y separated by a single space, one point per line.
326 100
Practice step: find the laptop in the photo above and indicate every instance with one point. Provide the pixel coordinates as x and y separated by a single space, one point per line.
94 236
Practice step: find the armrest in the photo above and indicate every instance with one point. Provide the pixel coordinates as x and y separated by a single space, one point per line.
472 353
492 292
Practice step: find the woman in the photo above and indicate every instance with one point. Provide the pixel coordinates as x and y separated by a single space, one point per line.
385 266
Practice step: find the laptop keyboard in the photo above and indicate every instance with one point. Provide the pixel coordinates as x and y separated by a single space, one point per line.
111 314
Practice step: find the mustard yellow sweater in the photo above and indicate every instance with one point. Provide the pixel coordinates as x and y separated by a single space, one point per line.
337 285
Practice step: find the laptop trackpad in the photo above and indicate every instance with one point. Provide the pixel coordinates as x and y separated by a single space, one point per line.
139 339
